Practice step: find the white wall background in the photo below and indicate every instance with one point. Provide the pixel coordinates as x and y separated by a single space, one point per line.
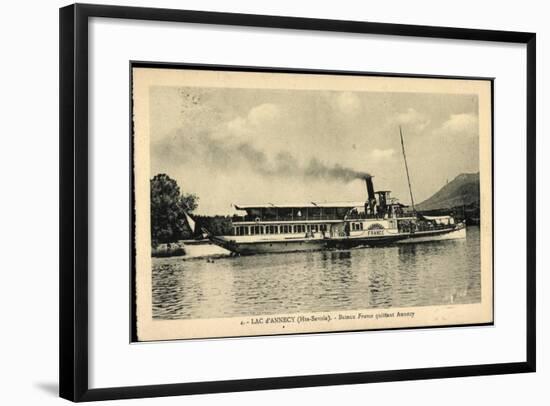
29 203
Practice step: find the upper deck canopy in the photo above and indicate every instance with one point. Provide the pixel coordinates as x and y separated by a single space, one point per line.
324 205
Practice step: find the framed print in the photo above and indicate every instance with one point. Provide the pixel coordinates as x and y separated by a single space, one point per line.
240 198
304 141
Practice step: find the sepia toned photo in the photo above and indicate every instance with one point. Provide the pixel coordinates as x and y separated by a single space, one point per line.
271 202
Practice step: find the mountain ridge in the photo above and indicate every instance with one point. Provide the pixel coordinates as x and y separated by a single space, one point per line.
462 191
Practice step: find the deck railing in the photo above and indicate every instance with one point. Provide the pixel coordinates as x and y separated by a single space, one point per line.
286 218
349 216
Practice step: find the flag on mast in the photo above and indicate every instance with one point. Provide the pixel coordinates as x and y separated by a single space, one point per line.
190 222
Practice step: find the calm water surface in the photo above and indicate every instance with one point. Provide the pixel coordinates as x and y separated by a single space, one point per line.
433 273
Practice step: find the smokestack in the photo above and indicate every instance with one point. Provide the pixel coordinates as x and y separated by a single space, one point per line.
370 192
370 187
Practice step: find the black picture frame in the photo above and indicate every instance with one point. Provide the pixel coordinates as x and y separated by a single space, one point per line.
73 330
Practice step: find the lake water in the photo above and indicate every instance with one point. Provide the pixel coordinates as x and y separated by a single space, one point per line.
430 273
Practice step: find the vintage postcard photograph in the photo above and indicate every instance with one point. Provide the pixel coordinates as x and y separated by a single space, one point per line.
284 202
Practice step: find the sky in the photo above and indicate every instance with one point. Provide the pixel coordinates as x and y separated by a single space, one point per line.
253 146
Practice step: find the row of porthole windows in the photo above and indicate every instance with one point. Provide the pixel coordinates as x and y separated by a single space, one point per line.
279 229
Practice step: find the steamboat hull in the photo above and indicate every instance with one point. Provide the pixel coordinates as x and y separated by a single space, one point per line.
270 247
318 244
354 242
436 235
302 245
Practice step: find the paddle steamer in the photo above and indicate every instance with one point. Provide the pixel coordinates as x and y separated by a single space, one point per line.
380 220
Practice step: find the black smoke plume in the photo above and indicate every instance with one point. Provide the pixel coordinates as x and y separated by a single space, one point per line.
226 155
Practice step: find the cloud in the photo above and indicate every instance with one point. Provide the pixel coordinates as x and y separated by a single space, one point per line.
381 154
348 103
413 120
237 125
265 114
461 124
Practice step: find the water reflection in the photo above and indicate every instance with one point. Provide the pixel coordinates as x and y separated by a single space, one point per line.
435 273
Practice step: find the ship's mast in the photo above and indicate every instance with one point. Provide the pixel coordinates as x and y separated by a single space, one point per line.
407 168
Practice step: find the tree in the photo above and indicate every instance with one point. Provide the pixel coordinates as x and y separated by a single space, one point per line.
217 225
168 207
